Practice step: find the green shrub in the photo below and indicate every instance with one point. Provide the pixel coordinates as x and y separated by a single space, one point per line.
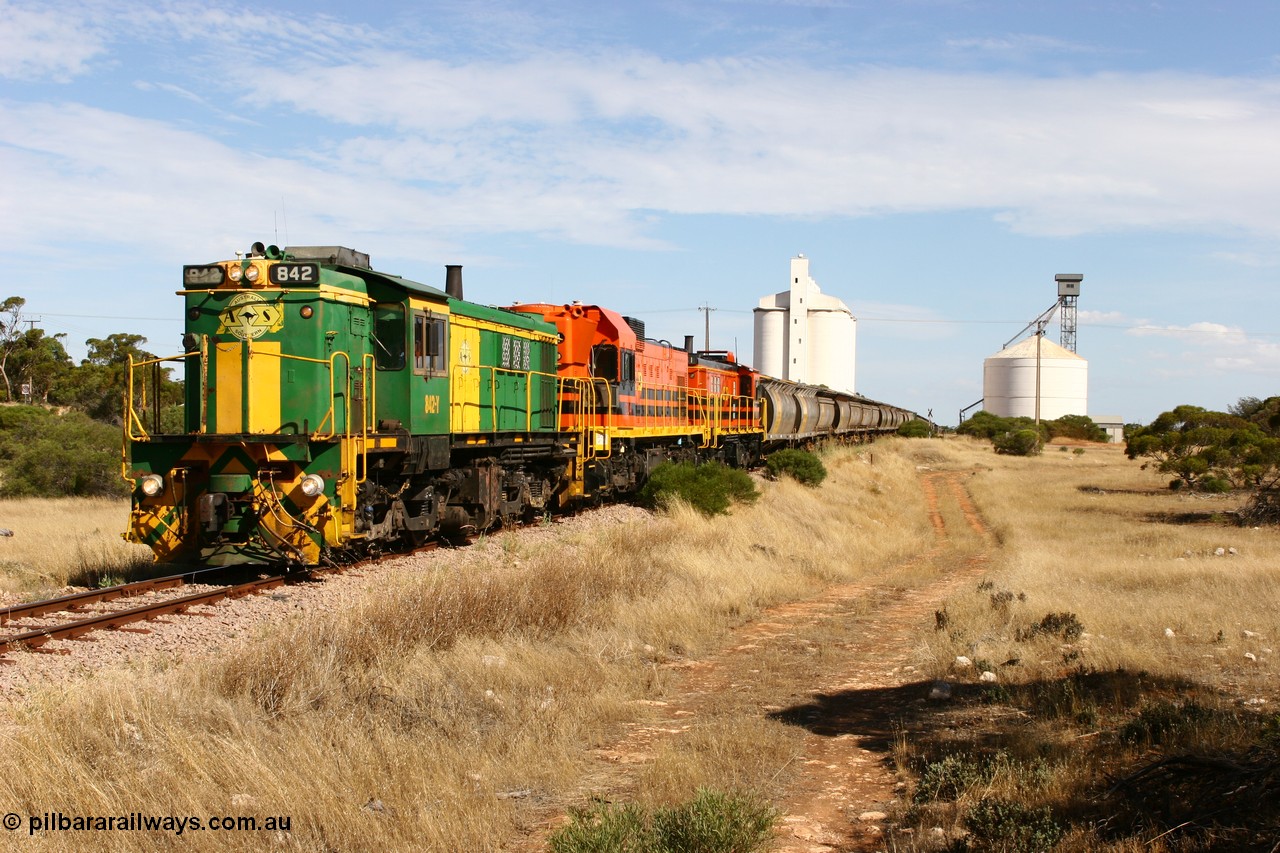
603 828
712 822
1023 442
1064 626
61 455
915 428
1164 722
1008 826
1214 485
983 424
14 418
1076 426
801 465
709 488
986 425
950 777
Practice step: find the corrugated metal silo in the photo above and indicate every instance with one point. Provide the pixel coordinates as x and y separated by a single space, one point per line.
770 340
832 346
1009 381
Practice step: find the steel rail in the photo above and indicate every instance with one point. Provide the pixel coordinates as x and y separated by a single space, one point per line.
93 596
71 630
80 599
120 618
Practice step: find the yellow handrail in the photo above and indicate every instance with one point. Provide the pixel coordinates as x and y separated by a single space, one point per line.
460 402
133 420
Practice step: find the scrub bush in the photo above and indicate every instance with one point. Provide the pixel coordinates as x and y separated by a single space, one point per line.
1023 442
915 428
1001 825
709 488
801 465
51 455
712 822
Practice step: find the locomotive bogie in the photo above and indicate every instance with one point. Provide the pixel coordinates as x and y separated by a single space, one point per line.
259 501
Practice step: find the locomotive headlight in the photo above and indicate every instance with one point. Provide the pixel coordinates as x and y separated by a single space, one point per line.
251 274
235 274
151 485
312 485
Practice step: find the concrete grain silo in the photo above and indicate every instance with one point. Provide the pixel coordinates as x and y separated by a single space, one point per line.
804 335
1009 380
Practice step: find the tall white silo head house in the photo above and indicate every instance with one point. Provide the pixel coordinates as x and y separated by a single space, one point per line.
803 335
1034 377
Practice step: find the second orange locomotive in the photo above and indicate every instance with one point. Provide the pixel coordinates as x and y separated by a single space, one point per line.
333 411
634 403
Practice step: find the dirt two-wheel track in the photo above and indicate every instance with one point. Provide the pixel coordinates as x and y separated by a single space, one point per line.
833 796
836 800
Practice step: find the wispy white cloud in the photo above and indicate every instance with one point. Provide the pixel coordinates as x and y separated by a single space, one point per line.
45 43
1103 318
1217 347
1202 332
1019 44
1256 259
1062 156
588 146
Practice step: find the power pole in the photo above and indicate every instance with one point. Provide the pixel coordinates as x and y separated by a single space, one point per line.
706 309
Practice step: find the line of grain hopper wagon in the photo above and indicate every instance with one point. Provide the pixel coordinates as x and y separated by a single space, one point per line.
332 411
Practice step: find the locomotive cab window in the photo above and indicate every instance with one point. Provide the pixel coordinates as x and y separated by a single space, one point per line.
604 361
627 372
388 336
430 343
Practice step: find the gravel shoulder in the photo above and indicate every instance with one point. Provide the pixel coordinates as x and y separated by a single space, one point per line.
209 630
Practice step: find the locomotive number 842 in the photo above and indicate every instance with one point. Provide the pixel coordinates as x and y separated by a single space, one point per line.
333 411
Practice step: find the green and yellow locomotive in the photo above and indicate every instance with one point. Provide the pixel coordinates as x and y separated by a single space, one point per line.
334 410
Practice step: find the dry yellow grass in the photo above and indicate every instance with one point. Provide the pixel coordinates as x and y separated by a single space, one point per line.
1122 629
1097 536
64 540
441 712
448 709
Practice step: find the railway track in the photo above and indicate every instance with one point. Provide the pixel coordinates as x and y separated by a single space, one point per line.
35 637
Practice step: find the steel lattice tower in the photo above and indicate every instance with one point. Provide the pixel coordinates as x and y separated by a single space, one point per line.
1069 322
1068 293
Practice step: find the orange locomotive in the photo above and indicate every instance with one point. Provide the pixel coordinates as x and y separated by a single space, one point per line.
725 395
634 403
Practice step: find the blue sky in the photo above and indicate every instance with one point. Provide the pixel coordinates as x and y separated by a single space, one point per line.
937 160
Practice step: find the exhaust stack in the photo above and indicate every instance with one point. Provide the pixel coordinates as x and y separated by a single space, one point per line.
453 280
